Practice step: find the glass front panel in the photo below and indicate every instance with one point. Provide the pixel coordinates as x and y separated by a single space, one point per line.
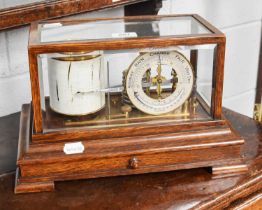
102 89
115 29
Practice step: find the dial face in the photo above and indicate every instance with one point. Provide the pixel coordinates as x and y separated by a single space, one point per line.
159 82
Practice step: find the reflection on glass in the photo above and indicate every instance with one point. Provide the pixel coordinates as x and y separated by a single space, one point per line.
111 29
205 73
72 83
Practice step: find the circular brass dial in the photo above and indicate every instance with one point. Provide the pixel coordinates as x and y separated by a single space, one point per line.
159 82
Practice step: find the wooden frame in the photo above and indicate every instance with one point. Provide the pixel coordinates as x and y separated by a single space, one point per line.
25 14
36 48
207 193
134 148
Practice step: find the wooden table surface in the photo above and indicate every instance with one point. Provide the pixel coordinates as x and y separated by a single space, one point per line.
169 190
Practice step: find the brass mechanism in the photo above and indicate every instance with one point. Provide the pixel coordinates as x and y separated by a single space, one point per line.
258 112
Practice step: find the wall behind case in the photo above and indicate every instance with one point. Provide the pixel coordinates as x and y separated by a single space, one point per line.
240 20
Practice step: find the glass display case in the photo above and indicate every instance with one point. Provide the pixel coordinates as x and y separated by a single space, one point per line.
134 90
111 73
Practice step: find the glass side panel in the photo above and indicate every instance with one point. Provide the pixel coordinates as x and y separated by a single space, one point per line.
204 68
116 29
103 89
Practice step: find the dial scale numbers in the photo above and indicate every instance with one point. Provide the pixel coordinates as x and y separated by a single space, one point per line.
151 60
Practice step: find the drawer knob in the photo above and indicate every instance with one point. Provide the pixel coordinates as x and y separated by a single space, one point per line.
133 163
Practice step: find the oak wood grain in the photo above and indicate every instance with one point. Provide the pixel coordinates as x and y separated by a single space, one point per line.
25 14
218 79
36 47
182 147
183 189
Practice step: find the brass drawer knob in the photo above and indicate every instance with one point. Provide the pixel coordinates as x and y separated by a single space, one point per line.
133 163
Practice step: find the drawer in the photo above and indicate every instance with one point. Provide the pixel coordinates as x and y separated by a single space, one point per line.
149 161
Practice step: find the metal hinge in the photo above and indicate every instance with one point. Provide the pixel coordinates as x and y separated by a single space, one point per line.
258 112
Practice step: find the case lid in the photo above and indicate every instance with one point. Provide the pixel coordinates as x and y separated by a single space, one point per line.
119 28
